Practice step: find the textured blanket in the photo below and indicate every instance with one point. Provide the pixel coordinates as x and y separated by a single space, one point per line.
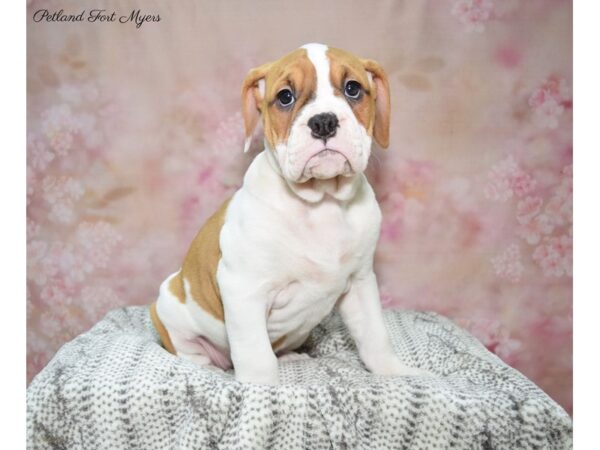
115 387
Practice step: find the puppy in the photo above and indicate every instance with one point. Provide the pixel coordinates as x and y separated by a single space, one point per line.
298 238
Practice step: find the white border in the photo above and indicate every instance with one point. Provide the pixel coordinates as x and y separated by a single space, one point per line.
586 102
12 203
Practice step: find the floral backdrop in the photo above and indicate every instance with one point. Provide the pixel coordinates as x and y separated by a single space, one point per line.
135 137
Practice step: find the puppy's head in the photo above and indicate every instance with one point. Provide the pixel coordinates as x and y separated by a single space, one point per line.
321 107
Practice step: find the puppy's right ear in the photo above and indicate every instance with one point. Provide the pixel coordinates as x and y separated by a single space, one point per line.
253 93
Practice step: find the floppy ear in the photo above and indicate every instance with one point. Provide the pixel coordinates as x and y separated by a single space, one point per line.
253 90
381 128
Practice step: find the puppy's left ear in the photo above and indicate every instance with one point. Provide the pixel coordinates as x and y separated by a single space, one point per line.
253 92
381 128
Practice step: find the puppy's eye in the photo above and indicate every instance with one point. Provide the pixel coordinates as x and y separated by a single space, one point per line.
353 89
285 97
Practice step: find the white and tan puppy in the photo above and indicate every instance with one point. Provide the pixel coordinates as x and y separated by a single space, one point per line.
298 238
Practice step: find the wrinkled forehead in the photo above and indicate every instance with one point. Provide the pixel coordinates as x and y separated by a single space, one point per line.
294 70
345 66
318 67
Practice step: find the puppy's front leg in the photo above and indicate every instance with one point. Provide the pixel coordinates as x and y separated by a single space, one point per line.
251 353
360 309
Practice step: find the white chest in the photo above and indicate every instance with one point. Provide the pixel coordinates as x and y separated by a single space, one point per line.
323 250
297 256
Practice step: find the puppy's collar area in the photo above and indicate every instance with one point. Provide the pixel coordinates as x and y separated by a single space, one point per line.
313 190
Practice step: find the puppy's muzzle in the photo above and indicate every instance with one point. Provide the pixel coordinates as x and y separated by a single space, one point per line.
327 164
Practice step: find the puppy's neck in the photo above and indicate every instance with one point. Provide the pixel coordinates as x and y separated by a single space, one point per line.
340 188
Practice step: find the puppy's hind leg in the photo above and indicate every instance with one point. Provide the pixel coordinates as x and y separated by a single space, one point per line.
188 348
171 320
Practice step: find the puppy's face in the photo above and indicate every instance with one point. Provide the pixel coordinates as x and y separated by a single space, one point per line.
321 107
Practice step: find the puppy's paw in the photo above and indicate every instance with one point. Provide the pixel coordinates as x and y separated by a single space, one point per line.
293 356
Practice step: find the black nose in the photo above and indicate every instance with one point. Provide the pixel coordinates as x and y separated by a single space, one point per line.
323 125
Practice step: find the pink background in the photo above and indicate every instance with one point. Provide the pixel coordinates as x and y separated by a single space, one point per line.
135 137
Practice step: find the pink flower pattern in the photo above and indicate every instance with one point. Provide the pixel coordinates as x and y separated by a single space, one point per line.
61 195
508 264
534 230
506 179
96 241
528 208
59 128
39 155
473 14
495 336
550 231
549 101
555 256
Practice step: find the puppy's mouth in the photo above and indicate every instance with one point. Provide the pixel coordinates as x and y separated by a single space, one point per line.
325 164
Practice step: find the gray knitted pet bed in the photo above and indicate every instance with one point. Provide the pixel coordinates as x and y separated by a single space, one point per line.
115 387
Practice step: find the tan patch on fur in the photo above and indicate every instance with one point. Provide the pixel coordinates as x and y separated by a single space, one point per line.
373 109
200 265
176 287
297 72
294 71
277 342
343 67
162 331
